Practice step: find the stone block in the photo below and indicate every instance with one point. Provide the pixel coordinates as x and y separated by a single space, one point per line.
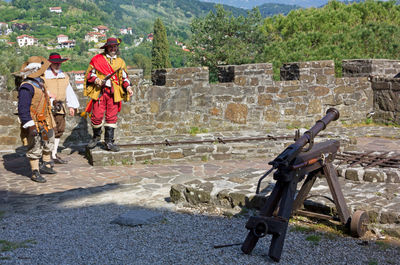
238 199
9 140
314 107
352 174
176 155
143 157
223 199
319 91
265 100
199 193
177 193
8 121
204 149
236 113
221 156
389 218
373 176
392 176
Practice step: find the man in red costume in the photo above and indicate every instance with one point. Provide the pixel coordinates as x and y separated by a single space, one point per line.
107 84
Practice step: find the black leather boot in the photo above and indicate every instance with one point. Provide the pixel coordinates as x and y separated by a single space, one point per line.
47 168
37 177
96 138
109 139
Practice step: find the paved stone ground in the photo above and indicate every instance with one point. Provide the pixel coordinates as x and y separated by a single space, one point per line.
78 184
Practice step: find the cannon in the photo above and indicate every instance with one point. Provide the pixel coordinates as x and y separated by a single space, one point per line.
302 159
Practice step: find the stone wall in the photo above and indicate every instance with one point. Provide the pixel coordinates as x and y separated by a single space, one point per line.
246 98
367 67
386 99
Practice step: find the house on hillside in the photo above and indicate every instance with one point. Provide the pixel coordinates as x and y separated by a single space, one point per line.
4 30
56 9
78 77
67 44
94 36
125 31
62 38
150 37
26 40
138 41
64 42
101 29
20 26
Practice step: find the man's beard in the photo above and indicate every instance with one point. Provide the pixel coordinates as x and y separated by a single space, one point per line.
112 53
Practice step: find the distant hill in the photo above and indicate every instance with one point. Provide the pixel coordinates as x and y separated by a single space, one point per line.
273 9
80 16
137 14
248 4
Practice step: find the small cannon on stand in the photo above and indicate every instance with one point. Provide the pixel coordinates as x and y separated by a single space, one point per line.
292 165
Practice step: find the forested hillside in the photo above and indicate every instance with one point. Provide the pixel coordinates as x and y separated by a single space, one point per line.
336 31
79 15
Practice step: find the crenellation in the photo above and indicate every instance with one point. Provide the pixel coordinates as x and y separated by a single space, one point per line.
251 100
370 67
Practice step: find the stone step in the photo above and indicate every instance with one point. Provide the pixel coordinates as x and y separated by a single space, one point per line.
216 147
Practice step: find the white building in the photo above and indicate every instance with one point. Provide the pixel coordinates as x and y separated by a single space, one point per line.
56 9
79 77
126 31
94 36
26 40
66 44
4 30
101 29
62 38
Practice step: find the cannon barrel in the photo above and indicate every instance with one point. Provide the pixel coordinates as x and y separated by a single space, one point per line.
332 114
289 154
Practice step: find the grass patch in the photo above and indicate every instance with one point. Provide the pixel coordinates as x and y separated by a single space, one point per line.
314 239
195 130
127 162
382 244
368 122
291 127
326 229
372 262
302 229
6 245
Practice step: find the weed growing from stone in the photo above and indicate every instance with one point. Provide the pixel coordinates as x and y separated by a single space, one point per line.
127 162
147 162
195 130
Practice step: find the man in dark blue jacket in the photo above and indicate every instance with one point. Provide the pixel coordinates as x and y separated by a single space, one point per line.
34 112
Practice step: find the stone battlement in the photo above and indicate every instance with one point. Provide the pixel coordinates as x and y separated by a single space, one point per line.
246 98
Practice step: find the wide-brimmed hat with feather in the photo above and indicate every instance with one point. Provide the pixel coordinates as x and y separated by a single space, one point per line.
34 67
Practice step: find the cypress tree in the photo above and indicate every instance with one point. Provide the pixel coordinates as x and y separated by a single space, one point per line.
160 48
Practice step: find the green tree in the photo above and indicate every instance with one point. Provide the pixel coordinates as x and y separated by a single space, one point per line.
160 49
221 38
